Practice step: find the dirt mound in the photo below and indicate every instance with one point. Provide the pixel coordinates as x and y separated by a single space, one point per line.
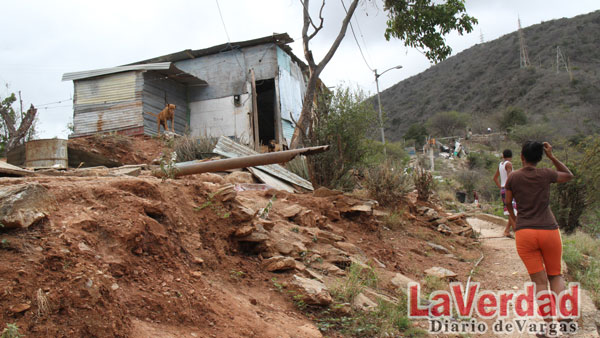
120 148
138 257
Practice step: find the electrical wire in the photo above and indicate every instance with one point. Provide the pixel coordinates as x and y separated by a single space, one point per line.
51 103
355 39
223 21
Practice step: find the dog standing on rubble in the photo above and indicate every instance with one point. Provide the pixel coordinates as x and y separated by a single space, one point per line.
168 113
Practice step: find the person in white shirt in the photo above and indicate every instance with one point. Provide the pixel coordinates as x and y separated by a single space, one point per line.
504 168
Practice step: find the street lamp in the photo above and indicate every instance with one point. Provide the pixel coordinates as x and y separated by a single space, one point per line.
379 104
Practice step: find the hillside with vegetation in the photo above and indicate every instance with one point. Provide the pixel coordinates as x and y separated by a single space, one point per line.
486 80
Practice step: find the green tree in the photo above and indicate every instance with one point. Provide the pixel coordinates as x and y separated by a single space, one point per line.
419 23
344 120
512 117
423 24
418 133
448 123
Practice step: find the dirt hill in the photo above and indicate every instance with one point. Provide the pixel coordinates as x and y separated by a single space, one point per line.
486 79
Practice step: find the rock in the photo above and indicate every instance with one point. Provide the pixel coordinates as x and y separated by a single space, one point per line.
212 178
363 303
314 275
20 308
324 192
443 228
380 213
196 274
467 232
23 204
328 236
430 214
242 213
290 211
126 171
438 248
239 177
401 281
440 272
328 268
343 308
226 193
313 291
256 237
264 224
244 231
83 247
306 218
289 247
198 260
348 247
439 221
114 286
375 261
456 216
279 263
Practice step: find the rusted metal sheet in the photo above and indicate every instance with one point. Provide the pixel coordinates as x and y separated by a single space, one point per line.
49 153
260 161
231 149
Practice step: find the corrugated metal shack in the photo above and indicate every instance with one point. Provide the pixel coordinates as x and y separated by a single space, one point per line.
212 89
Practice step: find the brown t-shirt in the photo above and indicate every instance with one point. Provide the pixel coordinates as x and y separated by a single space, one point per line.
531 190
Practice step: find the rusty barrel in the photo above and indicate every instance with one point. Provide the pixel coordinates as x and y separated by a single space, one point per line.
47 153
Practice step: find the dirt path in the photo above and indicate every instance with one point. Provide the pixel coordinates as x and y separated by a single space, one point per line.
502 269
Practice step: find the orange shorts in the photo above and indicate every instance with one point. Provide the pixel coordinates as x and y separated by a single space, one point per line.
540 248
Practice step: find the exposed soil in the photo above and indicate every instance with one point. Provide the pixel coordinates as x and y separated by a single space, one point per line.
124 149
131 257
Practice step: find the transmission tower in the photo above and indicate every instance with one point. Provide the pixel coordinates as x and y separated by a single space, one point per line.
481 36
560 59
523 57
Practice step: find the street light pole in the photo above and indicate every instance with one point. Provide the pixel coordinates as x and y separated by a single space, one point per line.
379 105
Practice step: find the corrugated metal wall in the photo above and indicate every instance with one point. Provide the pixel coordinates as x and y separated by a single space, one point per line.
227 72
291 92
107 103
158 91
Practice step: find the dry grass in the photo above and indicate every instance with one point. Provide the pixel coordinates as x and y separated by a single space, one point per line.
190 148
43 307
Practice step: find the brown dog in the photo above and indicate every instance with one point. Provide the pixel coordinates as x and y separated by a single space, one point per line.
165 115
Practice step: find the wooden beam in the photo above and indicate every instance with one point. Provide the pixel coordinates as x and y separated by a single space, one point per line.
254 111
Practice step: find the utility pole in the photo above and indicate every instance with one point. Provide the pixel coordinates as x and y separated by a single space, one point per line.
523 57
379 105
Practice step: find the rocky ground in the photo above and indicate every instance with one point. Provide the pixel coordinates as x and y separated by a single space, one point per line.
119 253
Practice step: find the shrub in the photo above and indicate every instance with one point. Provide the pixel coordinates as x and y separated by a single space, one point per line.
581 253
424 183
447 123
482 160
387 183
512 117
418 133
568 201
190 148
11 331
535 132
344 120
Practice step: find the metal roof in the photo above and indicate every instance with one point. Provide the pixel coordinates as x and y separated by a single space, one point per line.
165 68
280 40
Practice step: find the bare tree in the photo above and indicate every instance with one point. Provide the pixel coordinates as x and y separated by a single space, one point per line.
16 129
315 68
419 23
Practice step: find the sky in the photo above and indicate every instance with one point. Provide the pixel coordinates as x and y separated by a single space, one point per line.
41 40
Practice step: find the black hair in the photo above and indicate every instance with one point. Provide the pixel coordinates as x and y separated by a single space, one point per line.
532 151
507 153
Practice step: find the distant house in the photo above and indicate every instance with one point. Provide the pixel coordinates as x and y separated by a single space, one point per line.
212 89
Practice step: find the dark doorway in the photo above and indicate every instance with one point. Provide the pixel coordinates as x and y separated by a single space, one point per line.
265 90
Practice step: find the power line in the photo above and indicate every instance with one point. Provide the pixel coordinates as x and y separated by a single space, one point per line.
223 21
57 102
355 39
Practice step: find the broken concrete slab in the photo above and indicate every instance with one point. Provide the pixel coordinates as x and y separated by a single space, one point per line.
22 205
312 291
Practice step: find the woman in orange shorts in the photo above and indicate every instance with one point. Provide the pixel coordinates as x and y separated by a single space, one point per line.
537 236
